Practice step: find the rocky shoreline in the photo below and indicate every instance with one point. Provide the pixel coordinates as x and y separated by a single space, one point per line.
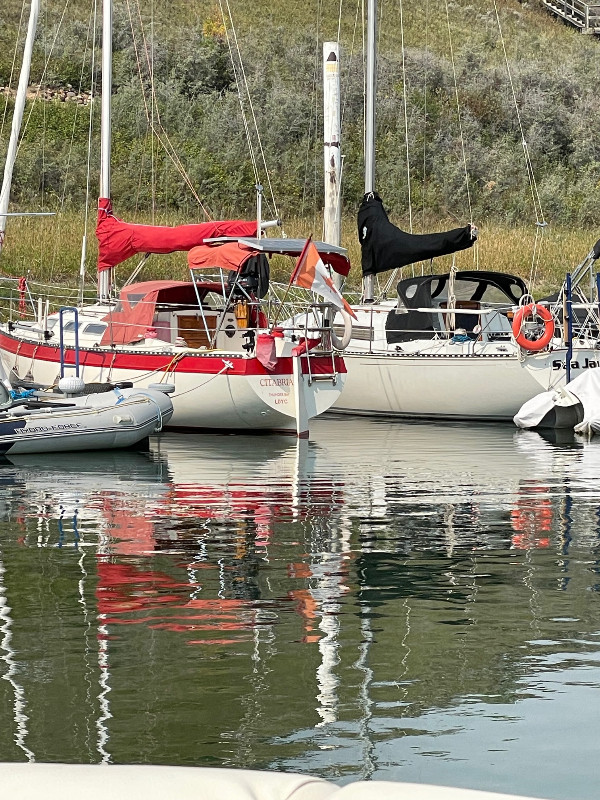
57 94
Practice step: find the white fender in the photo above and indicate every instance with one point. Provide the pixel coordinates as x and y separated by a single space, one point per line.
342 344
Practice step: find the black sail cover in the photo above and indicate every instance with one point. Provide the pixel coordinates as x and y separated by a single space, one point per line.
384 246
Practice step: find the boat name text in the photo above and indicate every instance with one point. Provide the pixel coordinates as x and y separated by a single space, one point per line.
276 381
557 364
48 428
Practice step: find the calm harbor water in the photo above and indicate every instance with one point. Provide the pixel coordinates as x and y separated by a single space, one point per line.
388 601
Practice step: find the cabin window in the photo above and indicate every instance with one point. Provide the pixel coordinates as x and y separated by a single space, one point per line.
134 299
213 300
93 328
494 294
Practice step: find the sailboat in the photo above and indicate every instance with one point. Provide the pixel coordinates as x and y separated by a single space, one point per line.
463 344
232 367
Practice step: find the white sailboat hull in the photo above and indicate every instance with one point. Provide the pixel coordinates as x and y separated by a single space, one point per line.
218 391
458 386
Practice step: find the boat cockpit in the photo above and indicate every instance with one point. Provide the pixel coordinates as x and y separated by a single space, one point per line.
477 303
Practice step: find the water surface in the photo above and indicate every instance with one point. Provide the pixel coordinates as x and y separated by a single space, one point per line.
393 601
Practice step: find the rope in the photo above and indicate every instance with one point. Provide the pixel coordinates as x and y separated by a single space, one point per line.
159 418
33 355
537 253
170 368
22 291
451 302
16 364
110 369
227 365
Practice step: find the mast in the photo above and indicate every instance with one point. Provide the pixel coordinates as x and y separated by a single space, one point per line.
371 84
105 277
17 116
331 144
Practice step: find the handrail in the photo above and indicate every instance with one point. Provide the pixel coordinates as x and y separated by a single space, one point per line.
63 364
585 16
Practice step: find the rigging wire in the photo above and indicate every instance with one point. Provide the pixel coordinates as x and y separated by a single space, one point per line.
313 126
405 117
89 153
344 89
238 83
47 57
91 23
67 170
12 69
317 111
462 138
364 65
425 98
152 115
364 68
533 185
537 203
158 128
250 103
394 274
459 114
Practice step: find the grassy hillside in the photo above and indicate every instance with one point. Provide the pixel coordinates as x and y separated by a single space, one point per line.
547 94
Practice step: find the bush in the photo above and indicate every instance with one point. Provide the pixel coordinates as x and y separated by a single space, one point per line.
196 98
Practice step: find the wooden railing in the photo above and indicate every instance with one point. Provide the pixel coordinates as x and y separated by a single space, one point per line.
582 15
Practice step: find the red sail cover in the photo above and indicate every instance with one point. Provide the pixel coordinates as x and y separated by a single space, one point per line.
118 240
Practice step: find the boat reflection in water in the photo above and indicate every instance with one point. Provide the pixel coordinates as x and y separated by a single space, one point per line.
379 601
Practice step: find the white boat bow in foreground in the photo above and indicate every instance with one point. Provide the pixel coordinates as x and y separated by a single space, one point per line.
120 782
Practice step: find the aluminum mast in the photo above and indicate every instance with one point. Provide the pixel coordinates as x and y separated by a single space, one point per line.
371 85
17 119
105 277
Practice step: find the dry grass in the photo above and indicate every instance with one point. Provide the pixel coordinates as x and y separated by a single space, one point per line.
48 250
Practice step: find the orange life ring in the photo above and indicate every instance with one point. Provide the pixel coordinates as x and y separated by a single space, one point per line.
533 310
